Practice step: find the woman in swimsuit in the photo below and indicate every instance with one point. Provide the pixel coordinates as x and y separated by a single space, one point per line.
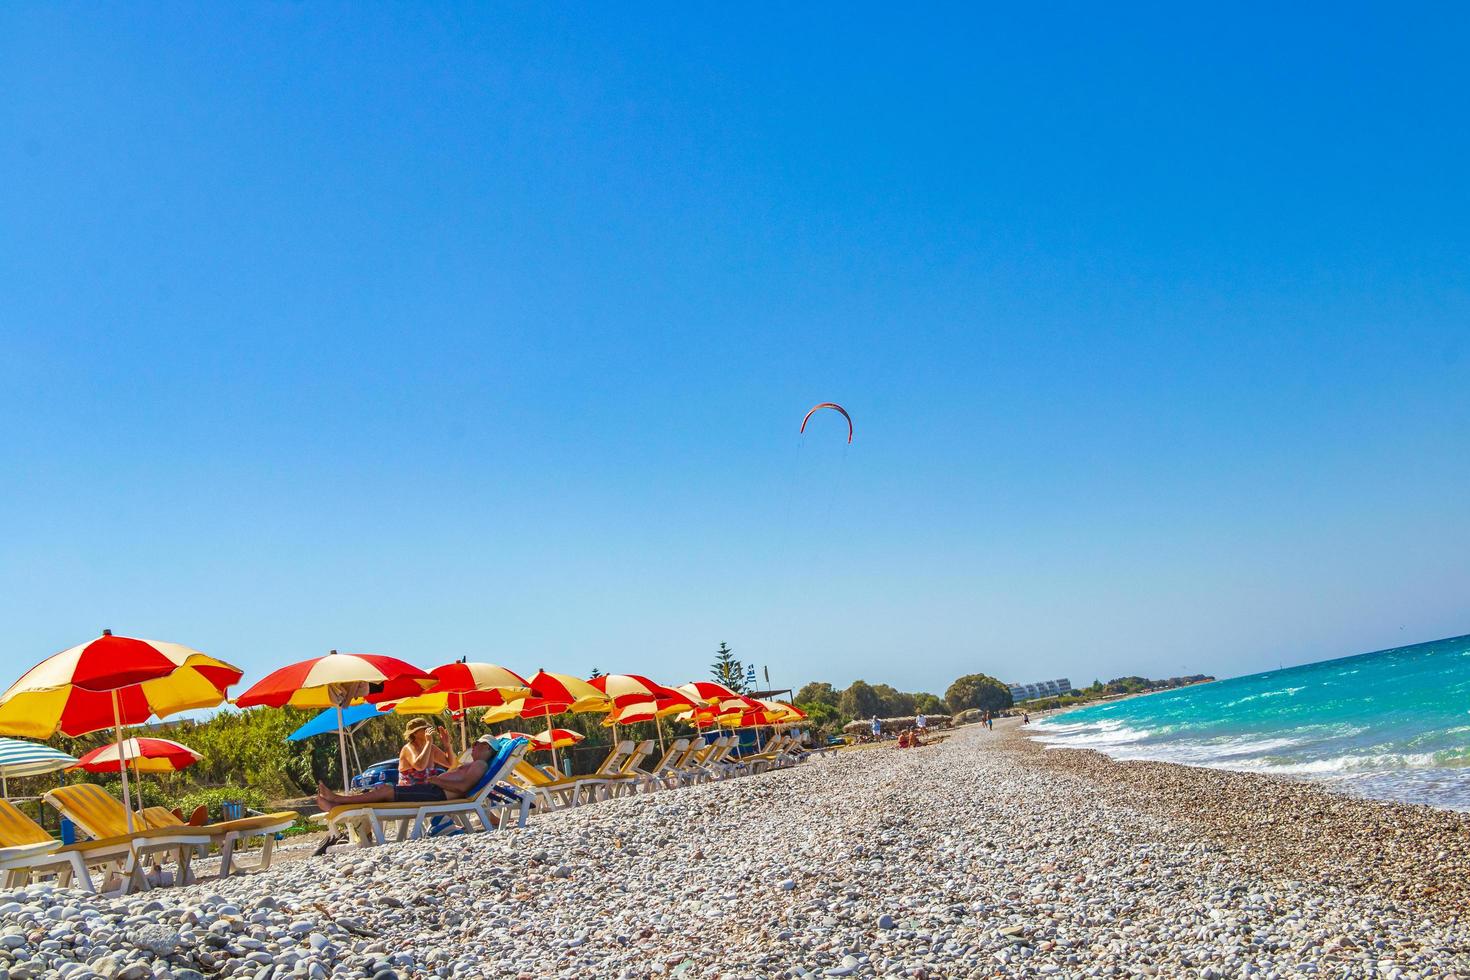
423 756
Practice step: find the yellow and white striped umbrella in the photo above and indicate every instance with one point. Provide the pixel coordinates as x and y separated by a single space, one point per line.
140 755
109 682
462 685
338 680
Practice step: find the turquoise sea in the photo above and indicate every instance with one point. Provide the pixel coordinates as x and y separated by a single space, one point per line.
1391 725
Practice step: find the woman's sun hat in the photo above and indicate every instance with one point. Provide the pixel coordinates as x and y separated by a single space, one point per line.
417 725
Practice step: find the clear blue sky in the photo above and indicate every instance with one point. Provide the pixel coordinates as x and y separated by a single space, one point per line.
437 330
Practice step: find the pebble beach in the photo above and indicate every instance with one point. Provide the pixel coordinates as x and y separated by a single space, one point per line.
982 856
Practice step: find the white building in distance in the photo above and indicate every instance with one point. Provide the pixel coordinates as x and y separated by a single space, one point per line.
1040 689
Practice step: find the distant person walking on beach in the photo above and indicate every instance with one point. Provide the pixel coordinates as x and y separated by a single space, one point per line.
920 722
877 727
1025 718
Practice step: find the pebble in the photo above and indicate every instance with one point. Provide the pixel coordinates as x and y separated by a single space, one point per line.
971 858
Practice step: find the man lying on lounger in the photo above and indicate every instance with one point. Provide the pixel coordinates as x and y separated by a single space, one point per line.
451 785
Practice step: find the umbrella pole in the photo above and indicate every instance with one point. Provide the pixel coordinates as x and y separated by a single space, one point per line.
551 741
758 739
122 770
464 743
342 747
658 723
138 778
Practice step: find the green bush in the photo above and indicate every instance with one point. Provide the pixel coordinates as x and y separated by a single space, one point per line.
215 800
144 792
859 701
250 748
818 692
978 691
929 704
821 717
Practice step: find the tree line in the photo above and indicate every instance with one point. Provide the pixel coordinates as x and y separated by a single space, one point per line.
829 708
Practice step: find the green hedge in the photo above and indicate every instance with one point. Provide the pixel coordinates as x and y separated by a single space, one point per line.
144 792
215 799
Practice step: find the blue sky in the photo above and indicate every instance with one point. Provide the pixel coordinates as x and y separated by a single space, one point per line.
460 331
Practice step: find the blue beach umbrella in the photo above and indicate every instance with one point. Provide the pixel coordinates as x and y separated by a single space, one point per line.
342 723
21 758
327 721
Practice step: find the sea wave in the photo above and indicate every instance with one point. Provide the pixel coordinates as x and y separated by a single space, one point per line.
1284 692
1374 762
1131 744
1391 724
1098 734
1251 753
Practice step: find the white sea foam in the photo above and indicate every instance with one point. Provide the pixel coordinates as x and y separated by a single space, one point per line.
1284 692
1225 753
1377 762
1265 755
1096 735
1392 725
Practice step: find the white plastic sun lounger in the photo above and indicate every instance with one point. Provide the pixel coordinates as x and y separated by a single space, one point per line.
367 824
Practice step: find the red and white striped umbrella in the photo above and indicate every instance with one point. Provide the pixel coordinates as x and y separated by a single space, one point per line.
555 693
110 682
478 678
463 685
337 681
652 710
141 755
709 716
715 701
629 689
552 694
708 690
714 693
639 699
765 713
557 738
793 713
467 685
718 704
